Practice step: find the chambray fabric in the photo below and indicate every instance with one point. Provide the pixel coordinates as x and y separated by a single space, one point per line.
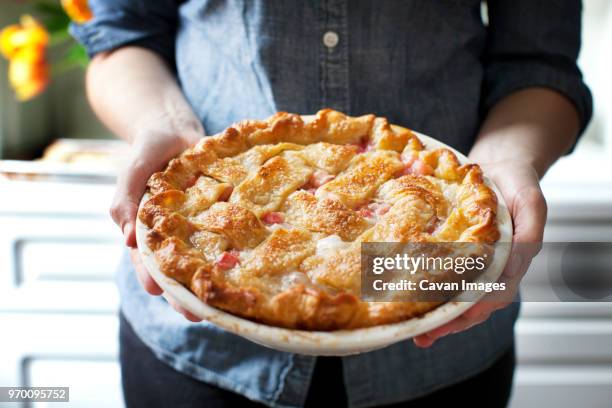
429 65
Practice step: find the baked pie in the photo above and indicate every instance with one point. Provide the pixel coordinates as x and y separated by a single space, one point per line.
266 219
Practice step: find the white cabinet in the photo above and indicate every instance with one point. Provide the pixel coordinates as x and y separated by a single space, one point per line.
76 350
565 349
58 301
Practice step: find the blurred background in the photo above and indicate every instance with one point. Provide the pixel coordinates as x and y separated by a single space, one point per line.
59 248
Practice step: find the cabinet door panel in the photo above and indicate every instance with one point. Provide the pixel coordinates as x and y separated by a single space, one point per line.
558 341
93 383
58 264
33 345
562 387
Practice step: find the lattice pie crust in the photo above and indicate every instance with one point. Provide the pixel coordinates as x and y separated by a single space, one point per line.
265 219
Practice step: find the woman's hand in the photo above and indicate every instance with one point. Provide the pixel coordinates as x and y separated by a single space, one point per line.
149 153
519 185
521 137
136 95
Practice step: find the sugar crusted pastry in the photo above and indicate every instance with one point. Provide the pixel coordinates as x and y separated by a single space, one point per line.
265 220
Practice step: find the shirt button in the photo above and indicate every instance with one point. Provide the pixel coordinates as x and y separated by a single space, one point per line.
331 39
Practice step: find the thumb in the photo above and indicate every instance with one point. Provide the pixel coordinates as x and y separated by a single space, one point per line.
529 212
148 154
529 218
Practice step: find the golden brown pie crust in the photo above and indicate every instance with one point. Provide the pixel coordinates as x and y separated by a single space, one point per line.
238 217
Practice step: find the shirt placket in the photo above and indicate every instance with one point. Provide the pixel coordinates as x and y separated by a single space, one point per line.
334 57
334 49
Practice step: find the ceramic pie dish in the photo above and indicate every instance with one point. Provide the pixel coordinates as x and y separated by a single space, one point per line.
235 236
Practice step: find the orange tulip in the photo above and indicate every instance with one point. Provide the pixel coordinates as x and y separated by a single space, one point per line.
29 33
29 73
78 10
8 44
25 45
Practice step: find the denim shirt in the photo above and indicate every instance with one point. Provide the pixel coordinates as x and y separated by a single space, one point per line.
433 66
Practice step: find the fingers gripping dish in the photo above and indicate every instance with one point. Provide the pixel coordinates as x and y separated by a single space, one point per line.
266 219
